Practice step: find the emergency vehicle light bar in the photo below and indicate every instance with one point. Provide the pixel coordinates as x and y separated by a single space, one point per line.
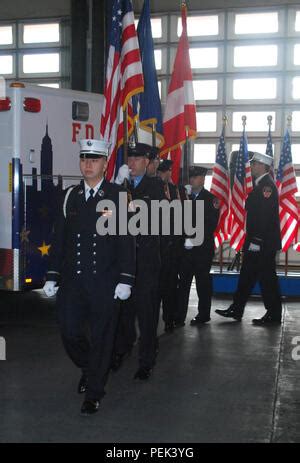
32 105
5 104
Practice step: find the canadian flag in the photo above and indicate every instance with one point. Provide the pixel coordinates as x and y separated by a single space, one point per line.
179 120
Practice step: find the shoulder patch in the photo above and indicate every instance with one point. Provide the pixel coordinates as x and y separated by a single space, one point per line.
267 192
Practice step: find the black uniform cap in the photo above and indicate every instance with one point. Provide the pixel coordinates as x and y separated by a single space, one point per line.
165 165
154 153
142 149
194 171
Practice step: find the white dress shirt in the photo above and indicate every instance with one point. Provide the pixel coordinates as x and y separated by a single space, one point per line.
87 189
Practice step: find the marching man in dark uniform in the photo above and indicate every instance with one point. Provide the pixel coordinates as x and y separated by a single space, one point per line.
151 170
169 250
93 271
143 302
197 260
261 244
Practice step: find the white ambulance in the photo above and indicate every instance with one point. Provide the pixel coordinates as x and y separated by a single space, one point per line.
39 157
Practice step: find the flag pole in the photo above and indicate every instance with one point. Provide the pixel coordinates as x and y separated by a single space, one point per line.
270 122
154 134
239 253
221 263
237 258
186 160
125 142
244 119
136 131
125 139
286 262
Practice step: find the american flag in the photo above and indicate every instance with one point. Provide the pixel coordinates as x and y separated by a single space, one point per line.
124 77
242 186
179 122
220 187
287 187
297 247
269 151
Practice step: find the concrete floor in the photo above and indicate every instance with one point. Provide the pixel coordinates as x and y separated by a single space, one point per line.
223 382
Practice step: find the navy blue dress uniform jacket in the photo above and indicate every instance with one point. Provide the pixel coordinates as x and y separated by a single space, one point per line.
262 223
77 250
149 188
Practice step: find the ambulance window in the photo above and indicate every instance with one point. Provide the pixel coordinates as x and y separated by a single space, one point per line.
80 111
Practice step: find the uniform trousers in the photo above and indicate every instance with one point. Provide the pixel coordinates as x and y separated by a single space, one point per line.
195 262
141 305
85 304
261 267
168 280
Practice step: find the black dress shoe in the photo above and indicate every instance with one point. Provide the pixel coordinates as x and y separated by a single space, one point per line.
82 385
231 312
169 327
267 319
143 373
89 407
198 321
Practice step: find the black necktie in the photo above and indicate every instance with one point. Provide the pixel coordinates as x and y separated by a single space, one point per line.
89 200
132 183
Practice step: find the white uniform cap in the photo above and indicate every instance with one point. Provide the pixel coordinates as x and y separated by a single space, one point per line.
263 158
90 148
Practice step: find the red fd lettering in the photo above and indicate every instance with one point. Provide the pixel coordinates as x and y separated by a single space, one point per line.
82 131
89 131
76 126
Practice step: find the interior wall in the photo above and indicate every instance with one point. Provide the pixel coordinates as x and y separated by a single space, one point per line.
159 6
20 9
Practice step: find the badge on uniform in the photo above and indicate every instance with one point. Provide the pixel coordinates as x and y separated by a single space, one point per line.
80 192
267 192
216 203
101 193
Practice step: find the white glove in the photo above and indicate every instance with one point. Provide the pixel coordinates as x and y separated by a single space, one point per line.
188 244
122 291
188 189
122 174
50 289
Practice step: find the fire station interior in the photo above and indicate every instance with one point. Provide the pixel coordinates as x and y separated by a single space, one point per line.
220 382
